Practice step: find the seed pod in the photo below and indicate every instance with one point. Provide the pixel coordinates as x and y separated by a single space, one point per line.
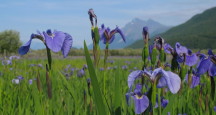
183 72
49 84
145 54
154 56
96 35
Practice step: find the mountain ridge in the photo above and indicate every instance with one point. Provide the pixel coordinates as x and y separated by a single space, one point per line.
198 32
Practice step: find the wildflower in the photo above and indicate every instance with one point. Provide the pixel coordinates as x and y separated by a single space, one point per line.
124 67
81 73
30 81
6 62
14 57
164 78
17 80
55 41
109 35
101 69
207 64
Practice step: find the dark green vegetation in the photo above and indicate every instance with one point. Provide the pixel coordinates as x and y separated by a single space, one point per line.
9 41
199 32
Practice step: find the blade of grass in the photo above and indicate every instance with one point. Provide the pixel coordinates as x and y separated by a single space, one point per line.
98 97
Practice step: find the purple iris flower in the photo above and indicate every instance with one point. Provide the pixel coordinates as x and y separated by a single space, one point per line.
164 102
159 43
14 57
81 73
180 49
111 61
167 78
101 69
20 77
6 62
30 81
215 108
127 62
17 80
195 80
207 65
36 65
108 35
182 54
124 67
55 41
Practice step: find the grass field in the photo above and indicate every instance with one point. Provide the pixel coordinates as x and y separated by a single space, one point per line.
70 94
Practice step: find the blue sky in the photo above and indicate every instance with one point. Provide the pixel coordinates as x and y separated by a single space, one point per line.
27 16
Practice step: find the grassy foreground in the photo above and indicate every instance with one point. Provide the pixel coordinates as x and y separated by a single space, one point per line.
70 94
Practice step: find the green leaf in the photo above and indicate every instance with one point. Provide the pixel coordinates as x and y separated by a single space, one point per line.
117 94
96 35
102 108
170 106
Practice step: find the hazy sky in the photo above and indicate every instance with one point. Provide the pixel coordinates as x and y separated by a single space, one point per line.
27 16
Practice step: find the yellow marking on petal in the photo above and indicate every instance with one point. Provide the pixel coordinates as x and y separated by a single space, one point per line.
139 97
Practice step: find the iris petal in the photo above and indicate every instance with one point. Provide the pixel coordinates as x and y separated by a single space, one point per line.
121 33
155 73
25 48
191 60
212 70
141 103
55 42
181 49
173 81
195 81
67 45
203 66
167 48
133 76
101 32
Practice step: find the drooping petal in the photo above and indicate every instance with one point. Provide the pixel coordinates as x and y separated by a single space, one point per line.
195 81
25 48
180 49
133 76
203 66
141 103
212 70
111 39
201 57
173 81
55 41
121 33
67 45
101 32
191 59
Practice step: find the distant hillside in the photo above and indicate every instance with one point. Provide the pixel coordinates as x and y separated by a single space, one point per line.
133 32
199 32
